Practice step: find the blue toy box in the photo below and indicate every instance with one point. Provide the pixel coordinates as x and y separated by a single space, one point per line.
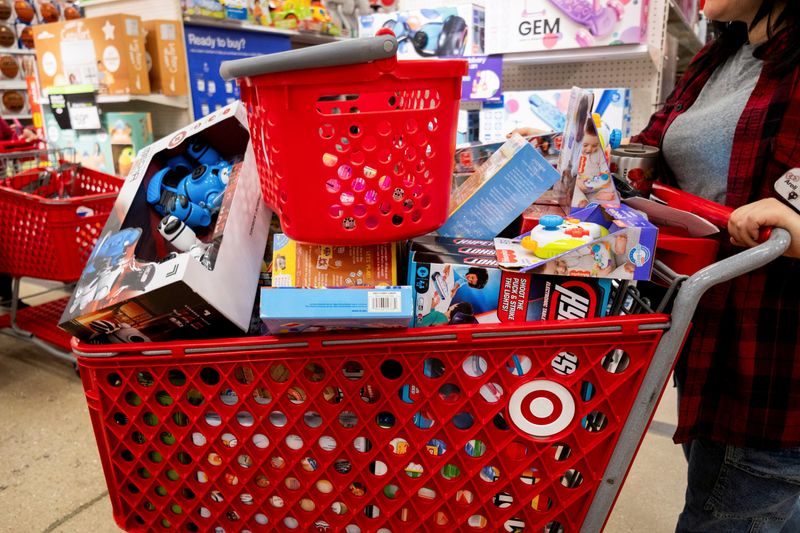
295 310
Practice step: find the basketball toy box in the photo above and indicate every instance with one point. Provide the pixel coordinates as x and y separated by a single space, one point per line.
169 264
468 287
296 310
107 52
436 32
539 25
601 241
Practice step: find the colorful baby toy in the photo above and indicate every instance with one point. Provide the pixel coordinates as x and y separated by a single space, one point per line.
555 235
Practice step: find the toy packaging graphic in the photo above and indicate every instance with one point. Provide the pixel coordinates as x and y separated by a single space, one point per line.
509 181
598 242
163 268
459 288
453 246
207 48
537 25
421 33
295 310
107 52
205 8
128 133
484 82
314 266
166 57
547 111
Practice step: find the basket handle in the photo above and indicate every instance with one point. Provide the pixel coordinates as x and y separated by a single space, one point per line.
350 52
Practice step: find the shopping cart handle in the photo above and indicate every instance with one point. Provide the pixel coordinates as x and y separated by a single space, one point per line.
715 213
349 52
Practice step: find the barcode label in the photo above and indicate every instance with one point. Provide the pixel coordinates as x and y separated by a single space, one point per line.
383 302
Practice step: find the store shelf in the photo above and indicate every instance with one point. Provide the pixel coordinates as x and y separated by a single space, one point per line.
677 24
582 55
24 116
180 102
21 52
13 84
296 36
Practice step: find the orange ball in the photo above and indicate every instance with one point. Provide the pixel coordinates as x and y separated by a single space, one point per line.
26 36
7 36
9 66
13 101
25 11
49 12
5 10
72 12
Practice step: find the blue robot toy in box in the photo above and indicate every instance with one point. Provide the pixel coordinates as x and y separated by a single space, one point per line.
191 186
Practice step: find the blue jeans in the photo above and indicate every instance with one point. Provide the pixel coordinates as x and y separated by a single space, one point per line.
738 490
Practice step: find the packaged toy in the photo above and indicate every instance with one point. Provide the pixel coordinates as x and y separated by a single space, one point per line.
152 276
295 310
555 235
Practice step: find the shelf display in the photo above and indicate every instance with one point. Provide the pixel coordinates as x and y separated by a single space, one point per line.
166 57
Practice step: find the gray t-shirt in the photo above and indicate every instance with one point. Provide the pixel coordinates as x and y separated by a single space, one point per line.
697 145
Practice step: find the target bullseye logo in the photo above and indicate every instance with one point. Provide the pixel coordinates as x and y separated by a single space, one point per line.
541 408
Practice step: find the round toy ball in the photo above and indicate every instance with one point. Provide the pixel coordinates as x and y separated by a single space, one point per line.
13 101
7 36
25 11
71 13
48 12
9 66
26 37
5 10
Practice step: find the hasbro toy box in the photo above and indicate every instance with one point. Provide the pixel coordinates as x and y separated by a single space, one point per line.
467 288
540 25
425 33
180 255
547 111
295 310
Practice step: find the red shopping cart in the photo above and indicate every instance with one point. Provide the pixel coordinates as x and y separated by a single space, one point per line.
516 427
53 210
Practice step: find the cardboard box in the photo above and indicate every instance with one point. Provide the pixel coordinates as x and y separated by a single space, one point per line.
136 287
166 57
508 182
314 266
129 133
463 289
205 8
424 33
626 252
542 25
547 111
295 310
106 52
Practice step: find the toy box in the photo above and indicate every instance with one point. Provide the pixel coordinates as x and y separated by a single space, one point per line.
292 310
166 57
151 278
623 250
129 133
537 25
463 289
258 12
453 246
106 52
441 31
508 182
314 266
206 8
547 111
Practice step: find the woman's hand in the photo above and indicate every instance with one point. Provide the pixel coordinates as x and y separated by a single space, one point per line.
29 135
745 223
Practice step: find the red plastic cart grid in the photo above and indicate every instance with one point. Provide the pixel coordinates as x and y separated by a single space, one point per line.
525 427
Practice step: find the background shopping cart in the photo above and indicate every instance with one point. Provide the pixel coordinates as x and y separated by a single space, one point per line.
521 427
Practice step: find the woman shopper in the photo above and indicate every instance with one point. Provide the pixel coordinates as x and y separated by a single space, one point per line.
728 131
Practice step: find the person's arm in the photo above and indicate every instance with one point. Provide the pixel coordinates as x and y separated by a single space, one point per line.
6 133
745 222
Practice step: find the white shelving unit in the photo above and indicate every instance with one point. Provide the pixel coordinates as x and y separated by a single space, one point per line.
297 37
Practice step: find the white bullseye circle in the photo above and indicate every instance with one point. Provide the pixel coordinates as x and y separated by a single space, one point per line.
541 408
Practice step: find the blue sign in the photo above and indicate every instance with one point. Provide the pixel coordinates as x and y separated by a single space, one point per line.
207 48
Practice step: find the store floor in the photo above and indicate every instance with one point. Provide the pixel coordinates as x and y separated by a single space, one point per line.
51 479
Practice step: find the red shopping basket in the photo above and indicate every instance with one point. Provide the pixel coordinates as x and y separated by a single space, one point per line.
464 429
50 220
355 153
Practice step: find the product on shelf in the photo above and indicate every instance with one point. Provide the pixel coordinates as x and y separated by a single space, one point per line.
206 8
295 310
49 11
541 25
107 52
9 67
313 266
128 133
138 287
441 31
8 38
14 102
258 12
5 10
166 56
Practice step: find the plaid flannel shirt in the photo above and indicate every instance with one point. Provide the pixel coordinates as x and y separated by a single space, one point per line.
741 368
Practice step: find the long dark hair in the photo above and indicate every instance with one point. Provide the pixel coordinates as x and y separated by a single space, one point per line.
732 35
